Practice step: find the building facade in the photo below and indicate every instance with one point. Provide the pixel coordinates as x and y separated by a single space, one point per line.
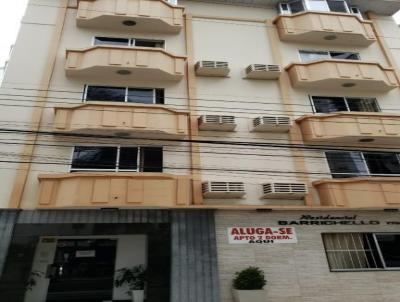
198 138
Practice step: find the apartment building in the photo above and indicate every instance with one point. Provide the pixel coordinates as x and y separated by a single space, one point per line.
195 139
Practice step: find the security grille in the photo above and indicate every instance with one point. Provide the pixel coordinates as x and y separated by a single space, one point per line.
217 122
219 189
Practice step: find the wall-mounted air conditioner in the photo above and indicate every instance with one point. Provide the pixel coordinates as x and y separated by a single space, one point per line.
212 68
263 72
280 190
217 123
272 123
222 189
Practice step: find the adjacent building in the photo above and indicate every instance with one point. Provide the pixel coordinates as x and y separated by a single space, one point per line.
196 139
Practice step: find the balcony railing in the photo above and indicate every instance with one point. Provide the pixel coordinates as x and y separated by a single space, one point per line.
115 190
363 192
139 15
142 63
327 28
351 128
347 75
121 118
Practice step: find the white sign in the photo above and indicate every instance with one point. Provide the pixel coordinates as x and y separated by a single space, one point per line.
85 254
261 235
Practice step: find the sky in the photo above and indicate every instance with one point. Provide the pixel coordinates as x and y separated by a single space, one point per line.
11 13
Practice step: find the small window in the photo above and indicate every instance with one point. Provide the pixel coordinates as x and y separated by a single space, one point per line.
353 164
356 11
346 164
284 8
344 55
389 245
133 159
327 104
104 93
296 6
307 56
317 5
124 94
148 43
111 41
339 6
310 55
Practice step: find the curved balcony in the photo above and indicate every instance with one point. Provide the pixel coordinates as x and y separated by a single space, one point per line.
114 190
363 192
121 119
127 63
138 15
347 75
326 28
351 128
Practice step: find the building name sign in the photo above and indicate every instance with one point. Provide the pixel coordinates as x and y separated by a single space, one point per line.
261 235
333 220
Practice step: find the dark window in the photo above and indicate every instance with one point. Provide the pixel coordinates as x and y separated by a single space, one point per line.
160 96
326 104
346 164
118 159
128 158
363 104
296 6
337 6
389 245
344 55
145 96
152 159
103 93
111 41
149 43
94 158
329 104
382 163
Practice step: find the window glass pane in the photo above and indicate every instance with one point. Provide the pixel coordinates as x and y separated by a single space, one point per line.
128 158
390 248
103 93
141 96
351 251
149 43
346 164
382 163
344 55
94 158
324 104
318 5
296 6
313 55
111 41
337 6
160 96
152 159
365 105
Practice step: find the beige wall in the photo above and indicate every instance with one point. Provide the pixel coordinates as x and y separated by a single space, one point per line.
299 272
235 34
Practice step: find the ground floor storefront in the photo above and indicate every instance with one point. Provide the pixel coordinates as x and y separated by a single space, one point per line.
313 256
77 256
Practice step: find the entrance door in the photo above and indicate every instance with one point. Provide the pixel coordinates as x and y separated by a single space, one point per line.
83 270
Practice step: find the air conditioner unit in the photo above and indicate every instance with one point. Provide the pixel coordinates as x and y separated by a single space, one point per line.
212 68
224 190
279 190
263 72
272 124
217 122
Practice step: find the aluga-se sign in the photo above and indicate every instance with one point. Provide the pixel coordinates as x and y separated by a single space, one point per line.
261 235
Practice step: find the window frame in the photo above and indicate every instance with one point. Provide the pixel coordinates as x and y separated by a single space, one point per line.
116 169
346 102
306 7
131 42
327 52
377 246
367 168
154 92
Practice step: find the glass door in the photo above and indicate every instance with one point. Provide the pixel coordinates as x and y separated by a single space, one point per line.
83 270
